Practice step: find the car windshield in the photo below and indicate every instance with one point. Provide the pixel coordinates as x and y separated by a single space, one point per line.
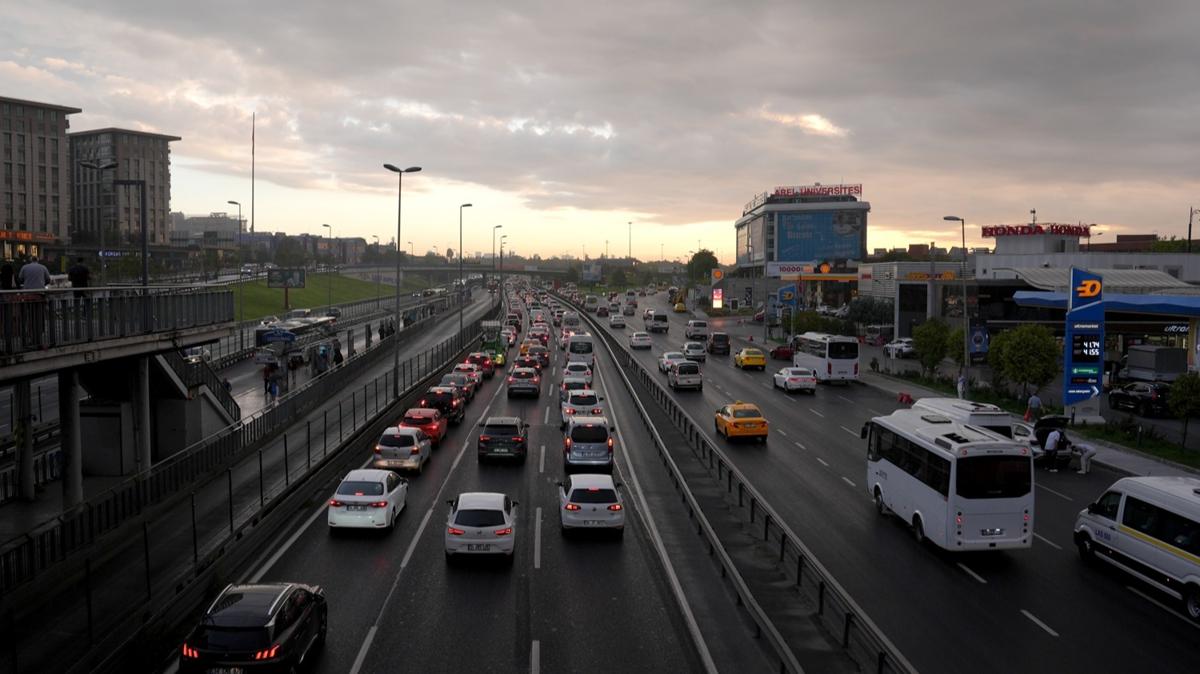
454 380
746 413
986 477
593 495
582 347
843 350
589 399
687 368
417 420
751 353
589 433
400 440
479 518
360 488
440 398
220 638
719 338
672 355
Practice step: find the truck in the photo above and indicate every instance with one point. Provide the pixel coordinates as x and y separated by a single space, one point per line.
1145 362
491 337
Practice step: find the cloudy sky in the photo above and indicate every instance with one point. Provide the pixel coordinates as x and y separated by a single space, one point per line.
563 121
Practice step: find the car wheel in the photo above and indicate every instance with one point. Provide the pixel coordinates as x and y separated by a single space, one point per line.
762 439
1191 602
880 507
1087 551
717 429
918 530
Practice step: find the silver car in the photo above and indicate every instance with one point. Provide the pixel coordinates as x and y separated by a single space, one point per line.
402 448
578 369
694 351
588 444
590 501
524 381
585 402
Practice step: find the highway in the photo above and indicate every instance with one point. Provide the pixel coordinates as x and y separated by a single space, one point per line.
946 612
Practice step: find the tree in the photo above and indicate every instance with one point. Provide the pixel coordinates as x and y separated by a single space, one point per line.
290 253
572 274
1026 355
1184 400
702 262
870 311
929 340
449 253
617 278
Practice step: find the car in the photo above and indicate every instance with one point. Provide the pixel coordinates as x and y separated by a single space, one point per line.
1144 398
447 400
640 340
587 444
460 381
368 498
616 320
901 347
502 437
473 371
528 344
629 308
556 319
679 308
571 383
694 351
796 379
717 343
258 626
402 448
269 320
614 308
582 402
740 420
431 422
658 323
542 354
528 361
749 357
481 523
696 329
590 501
578 369
498 359
196 354
781 352
333 312
524 381
685 374
601 311
647 313
668 358
484 360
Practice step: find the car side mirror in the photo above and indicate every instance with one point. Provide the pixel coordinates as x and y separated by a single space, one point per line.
450 502
863 432
516 503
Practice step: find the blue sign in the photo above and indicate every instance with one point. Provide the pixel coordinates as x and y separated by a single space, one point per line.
278 335
817 236
1083 347
979 340
787 295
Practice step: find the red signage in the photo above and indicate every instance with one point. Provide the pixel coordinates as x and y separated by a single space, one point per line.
818 191
1037 230
22 235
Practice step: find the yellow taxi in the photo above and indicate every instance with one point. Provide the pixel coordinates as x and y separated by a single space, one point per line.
528 343
750 357
679 308
741 420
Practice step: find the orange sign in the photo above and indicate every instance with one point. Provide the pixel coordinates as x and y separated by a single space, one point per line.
1088 288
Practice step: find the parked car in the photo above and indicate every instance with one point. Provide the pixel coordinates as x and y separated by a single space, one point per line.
901 347
1144 398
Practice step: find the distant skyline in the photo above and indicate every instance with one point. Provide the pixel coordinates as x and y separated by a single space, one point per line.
564 121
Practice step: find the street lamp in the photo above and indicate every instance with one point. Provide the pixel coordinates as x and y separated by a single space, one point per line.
412 250
630 223
100 166
494 261
377 253
399 200
966 321
328 275
502 238
461 286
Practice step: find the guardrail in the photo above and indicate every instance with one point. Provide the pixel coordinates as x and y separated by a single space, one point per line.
836 610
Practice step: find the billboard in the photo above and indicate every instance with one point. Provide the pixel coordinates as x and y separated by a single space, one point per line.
1083 346
750 242
821 235
592 273
285 278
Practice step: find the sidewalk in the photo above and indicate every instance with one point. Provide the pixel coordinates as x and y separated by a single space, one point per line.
1112 456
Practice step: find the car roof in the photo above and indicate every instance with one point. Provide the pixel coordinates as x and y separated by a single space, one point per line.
739 405
368 474
576 364
481 500
502 421
524 369
696 345
247 605
401 430
592 480
421 412
583 392
442 389
640 333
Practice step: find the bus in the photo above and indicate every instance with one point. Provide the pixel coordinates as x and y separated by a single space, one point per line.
958 487
831 357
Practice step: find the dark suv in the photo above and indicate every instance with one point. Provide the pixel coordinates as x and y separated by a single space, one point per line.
447 400
484 362
272 626
718 342
503 437
1145 398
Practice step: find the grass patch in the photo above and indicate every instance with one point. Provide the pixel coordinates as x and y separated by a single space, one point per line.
263 301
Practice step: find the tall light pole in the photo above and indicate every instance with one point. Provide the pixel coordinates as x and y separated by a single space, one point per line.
494 228
377 279
1191 212
502 238
399 200
462 287
630 252
98 166
412 250
241 284
328 275
966 321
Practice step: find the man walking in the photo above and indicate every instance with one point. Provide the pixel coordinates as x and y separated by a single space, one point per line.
78 275
1035 407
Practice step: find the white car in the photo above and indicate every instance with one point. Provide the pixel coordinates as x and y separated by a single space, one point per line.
481 523
368 498
570 384
667 359
616 320
402 448
796 379
694 351
639 340
584 402
471 370
578 369
900 348
590 501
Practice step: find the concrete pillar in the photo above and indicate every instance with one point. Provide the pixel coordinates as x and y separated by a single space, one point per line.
141 410
23 416
71 445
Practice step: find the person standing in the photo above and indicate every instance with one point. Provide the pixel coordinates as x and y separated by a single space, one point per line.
1034 407
962 386
1053 443
78 275
34 275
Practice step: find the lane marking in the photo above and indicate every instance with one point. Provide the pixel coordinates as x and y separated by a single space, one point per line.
362 652
542 461
546 416
849 431
554 371
846 399
1168 609
799 444
848 481
781 432
1056 493
823 462
972 574
816 413
535 657
1039 623
1047 541
537 538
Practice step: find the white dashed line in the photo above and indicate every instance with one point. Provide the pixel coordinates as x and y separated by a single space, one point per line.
535 657
546 416
1168 609
823 462
847 481
971 573
849 431
542 461
781 432
1039 623
816 413
845 398
537 538
1047 541
800 445
1056 493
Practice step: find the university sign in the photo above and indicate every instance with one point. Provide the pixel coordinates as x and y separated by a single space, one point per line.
994 231
818 191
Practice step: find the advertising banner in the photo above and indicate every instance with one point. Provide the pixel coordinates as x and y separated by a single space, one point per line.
808 236
718 298
285 278
1083 347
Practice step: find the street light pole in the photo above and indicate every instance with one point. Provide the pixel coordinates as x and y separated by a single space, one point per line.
462 287
399 201
412 250
241 262
97 166
328 274
502 238
494 262
1191 213
966 320
377 253
630 252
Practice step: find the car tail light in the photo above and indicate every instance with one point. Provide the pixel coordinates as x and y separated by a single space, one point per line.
610 445
503 532
378 449
518 439
615 507
455 531
378 504
597 410
454 403
415 451
510 380
189 652
569 410
566 443
485 438
571 506
334 503
422 403
536 379
267 653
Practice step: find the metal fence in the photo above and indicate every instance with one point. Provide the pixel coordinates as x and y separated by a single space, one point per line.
33 321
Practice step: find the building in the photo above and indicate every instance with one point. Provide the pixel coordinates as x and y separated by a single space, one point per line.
35 188
109 214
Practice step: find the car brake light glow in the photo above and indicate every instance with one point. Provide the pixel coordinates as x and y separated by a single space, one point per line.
454 532
518 439
615 507
378 449
379 504
335 503
571 506
415 451
610 444
189 652
536 379
484 438
567 443
510 380
267 653
569 410
454 403
597 410
593 488
503 532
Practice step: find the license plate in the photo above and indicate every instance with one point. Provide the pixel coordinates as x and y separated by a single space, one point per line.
991 532
478 547
500 450
225 670
593 523
356 508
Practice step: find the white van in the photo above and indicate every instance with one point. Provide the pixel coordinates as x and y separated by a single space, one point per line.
685 374
980 415
581 348
1150 528
696 329
590 303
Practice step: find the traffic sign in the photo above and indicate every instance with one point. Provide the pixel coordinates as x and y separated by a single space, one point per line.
278 335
